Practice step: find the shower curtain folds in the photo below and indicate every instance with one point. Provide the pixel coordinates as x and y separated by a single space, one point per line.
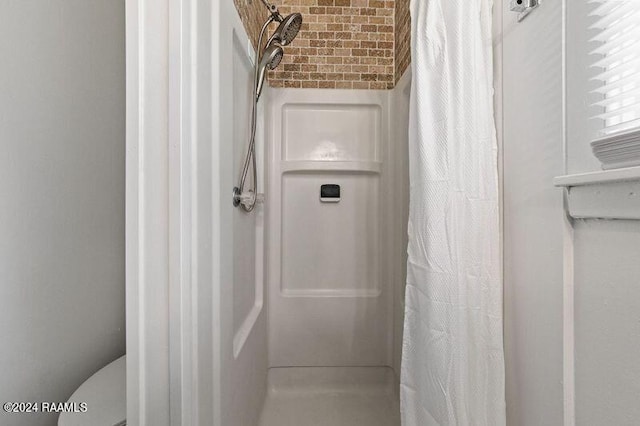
453 361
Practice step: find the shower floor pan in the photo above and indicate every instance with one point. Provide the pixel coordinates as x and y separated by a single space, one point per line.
331 396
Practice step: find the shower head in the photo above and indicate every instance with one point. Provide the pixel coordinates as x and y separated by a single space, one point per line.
288 29
270 60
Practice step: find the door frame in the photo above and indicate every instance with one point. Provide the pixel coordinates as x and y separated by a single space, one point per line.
147 215
170 144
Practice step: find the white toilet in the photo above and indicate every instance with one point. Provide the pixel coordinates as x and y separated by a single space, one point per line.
105 395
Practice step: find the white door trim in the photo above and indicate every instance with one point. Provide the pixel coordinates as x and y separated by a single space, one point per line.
171 218
147 215
568 370
161 312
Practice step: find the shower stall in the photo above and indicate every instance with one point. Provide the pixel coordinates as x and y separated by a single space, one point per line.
288 308
313 280
289 304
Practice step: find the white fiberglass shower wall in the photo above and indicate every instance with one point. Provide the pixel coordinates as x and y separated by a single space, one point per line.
336 205
224 344
244 334
329 293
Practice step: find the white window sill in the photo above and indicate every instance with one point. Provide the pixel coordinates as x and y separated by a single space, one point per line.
599 177
609 194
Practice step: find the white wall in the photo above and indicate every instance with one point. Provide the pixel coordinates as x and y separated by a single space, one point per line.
606 291
61 197
533 155
580 129
607 322
607 267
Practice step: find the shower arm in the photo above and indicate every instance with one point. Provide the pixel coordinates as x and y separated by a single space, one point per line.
273 9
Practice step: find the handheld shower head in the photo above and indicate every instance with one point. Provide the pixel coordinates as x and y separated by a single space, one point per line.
270 60
268 57
288 29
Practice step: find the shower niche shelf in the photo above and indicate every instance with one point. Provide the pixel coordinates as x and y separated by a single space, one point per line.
609 194
330 166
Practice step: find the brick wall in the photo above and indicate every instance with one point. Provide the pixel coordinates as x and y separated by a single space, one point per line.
343 44
253 16
402 38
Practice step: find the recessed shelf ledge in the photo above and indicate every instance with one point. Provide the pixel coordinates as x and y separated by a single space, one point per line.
348 166
599 178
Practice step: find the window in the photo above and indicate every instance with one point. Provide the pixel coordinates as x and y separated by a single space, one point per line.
614 80
616 64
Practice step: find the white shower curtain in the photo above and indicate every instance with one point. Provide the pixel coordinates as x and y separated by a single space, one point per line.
453 361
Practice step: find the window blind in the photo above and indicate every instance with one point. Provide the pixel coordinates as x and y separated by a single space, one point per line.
615 62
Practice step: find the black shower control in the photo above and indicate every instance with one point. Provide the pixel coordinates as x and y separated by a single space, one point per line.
330 193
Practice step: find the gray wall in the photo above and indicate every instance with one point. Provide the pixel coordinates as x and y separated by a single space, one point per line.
607 322
607 267
62 123
533 155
